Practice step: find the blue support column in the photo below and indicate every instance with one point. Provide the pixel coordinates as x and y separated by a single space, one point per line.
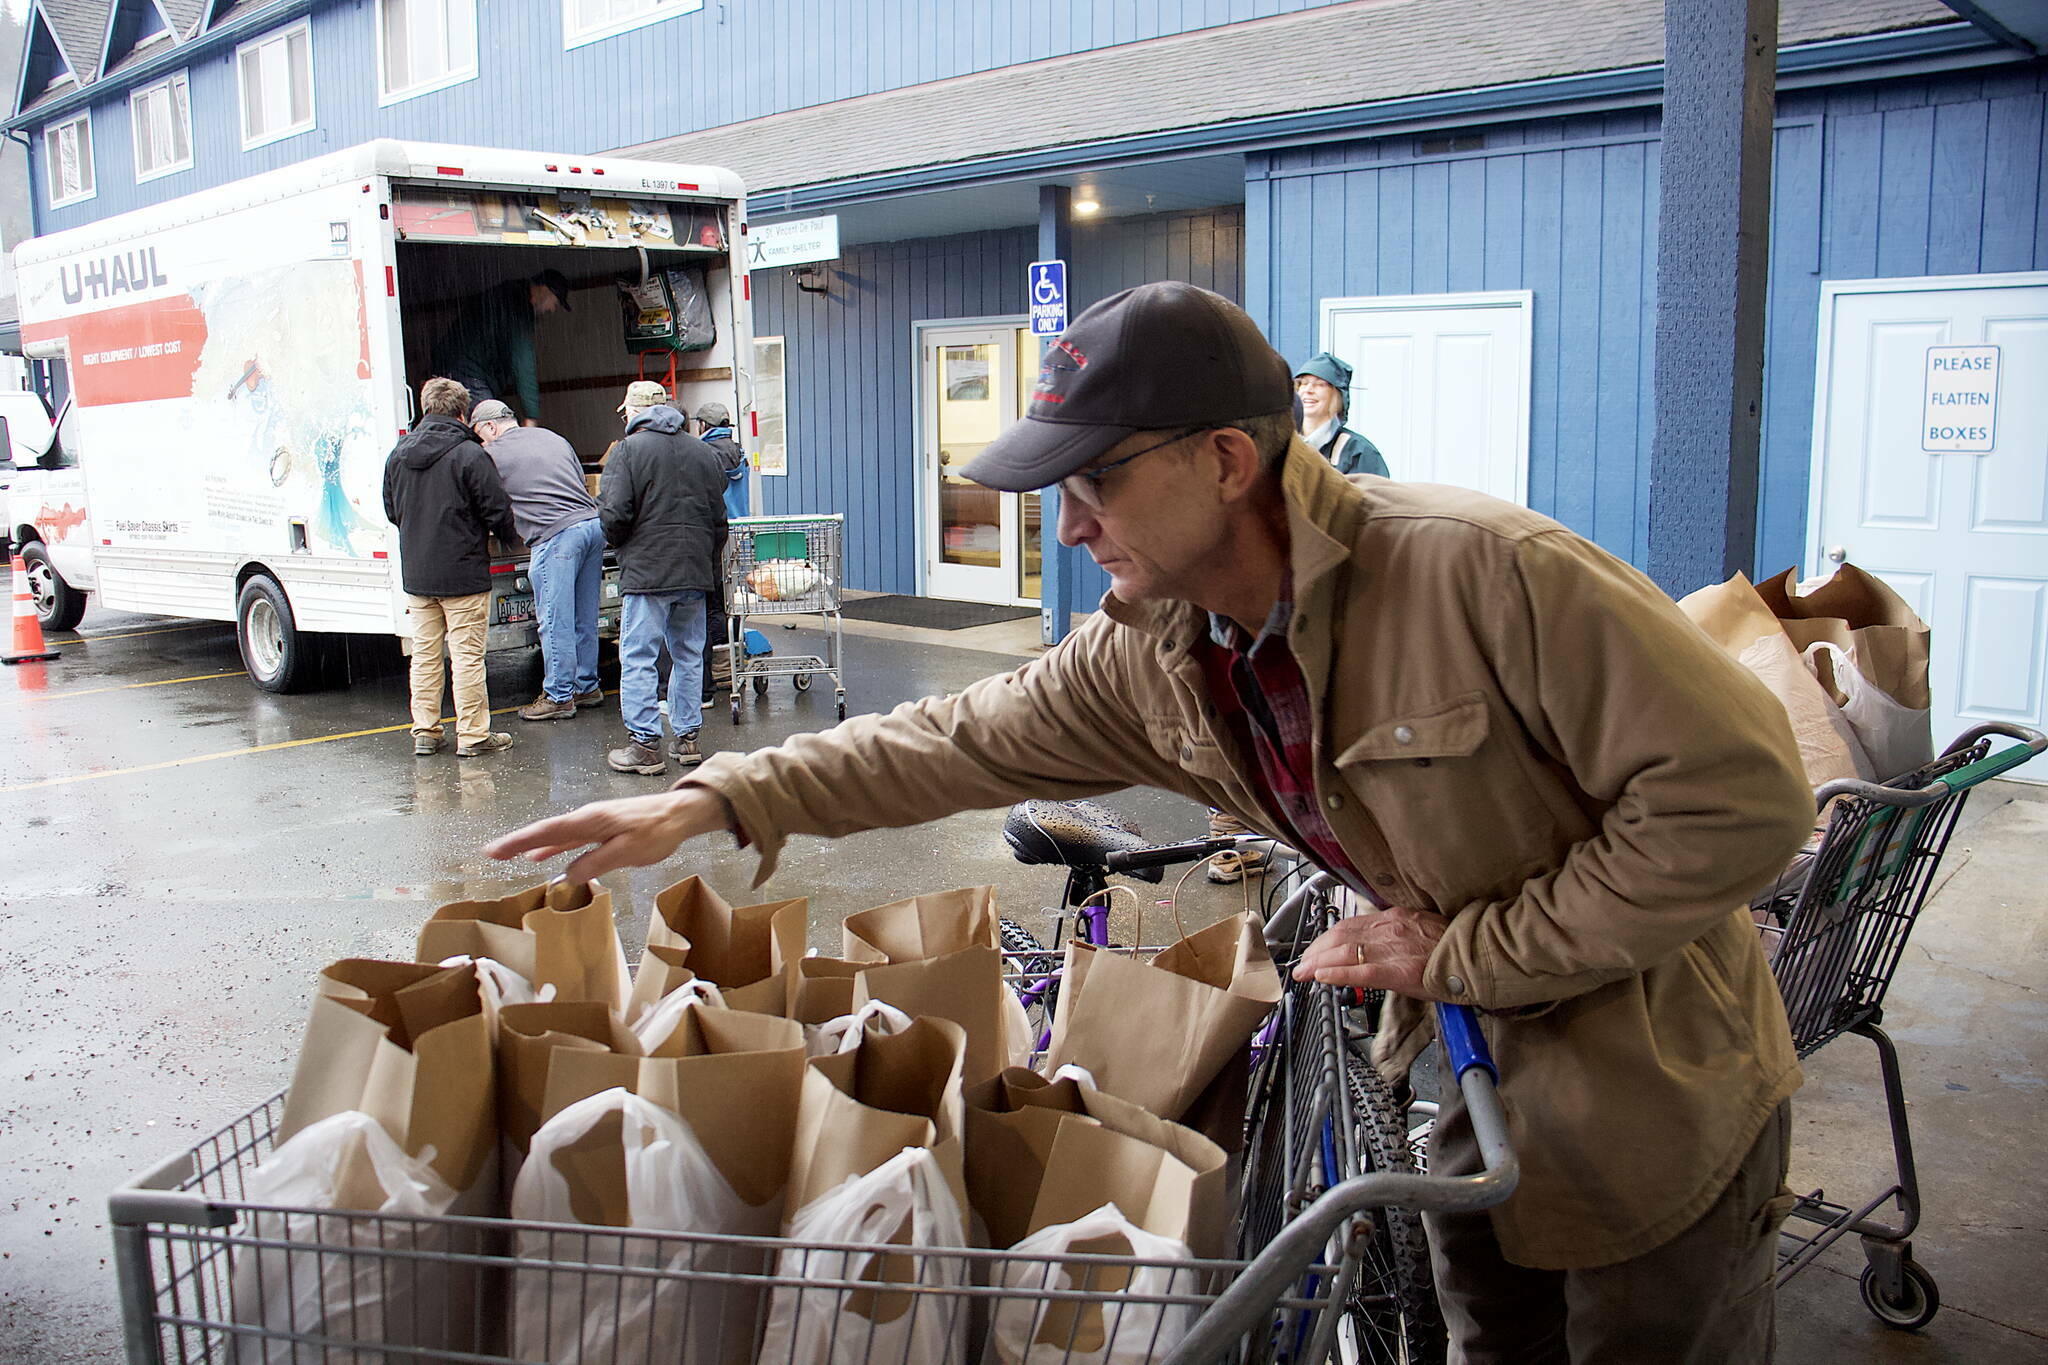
1713 245
1056 582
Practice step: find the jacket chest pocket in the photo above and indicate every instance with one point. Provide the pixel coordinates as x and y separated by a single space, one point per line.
1447 730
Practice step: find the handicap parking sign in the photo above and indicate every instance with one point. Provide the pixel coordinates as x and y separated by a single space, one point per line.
1047 284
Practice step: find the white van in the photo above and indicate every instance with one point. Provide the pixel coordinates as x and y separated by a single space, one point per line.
243 359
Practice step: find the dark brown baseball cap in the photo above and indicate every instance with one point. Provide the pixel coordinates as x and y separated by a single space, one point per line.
1148 359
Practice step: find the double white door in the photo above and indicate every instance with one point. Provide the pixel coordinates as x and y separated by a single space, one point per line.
979 545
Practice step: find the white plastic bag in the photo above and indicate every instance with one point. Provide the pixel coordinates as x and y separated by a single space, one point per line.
1894 739
661 1019
669 1185
832 1326
345 1161
844 1033
500 985
1114 1329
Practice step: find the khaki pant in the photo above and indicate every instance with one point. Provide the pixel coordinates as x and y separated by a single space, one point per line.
1703 1298
458 624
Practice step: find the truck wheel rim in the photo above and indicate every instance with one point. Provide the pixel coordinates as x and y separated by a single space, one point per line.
266 638
42 587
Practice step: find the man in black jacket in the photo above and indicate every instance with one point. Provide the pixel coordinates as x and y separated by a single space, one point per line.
662 504
444 495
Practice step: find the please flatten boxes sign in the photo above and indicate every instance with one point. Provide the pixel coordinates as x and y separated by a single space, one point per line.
1960 414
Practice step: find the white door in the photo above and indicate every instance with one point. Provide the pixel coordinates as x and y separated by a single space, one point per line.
1930 460
979 545
1440 383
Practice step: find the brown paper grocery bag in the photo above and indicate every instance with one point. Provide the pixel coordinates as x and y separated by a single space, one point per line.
1737 619
824 989
862 1107
925 926
735 1077
749 953
409 1045
1043 1152
965 987
561 935
528 1038
1859 612
1157 1034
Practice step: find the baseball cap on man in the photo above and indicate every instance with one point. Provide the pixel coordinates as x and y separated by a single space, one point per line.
714 414
1152 358
556 283
643 393
490 410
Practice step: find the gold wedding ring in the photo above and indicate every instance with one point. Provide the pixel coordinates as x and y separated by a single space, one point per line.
1358 954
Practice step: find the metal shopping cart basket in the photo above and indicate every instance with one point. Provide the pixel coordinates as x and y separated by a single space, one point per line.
1835 929
205 1275
784 566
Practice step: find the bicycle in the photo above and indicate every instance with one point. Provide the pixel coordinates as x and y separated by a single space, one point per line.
1300 1139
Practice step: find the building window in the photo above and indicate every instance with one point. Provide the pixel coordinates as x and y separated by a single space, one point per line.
424 45
162 114
67 152
276 73
585 21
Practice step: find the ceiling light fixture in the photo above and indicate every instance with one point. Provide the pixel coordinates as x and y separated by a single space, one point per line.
1086 206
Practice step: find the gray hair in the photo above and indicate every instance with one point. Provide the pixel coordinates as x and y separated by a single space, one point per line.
444 398
1271 435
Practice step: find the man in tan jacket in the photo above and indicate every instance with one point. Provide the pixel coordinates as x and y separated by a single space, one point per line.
1558 791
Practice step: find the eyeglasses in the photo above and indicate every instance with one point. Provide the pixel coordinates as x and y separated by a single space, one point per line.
1087 484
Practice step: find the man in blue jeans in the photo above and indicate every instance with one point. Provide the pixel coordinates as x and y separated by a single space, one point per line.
557 518
663 508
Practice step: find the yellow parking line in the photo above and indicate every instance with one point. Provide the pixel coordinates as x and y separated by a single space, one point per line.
232 753
123 687
76 639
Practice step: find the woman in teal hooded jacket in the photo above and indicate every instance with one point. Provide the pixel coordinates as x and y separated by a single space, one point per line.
1323 383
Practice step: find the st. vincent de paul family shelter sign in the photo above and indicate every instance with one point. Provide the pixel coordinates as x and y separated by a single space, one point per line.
802 241
1960 413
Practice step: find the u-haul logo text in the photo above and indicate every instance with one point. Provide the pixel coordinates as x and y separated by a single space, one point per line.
127 272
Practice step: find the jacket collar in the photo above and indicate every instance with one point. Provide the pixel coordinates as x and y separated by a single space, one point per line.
1322 518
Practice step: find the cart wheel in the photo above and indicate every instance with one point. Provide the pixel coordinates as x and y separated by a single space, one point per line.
735 707
760 687
842 710
802 682
1914 1308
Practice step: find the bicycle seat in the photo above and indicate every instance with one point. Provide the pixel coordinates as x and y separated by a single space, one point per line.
1072 834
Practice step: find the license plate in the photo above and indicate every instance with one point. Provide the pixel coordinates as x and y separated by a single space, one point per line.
512 610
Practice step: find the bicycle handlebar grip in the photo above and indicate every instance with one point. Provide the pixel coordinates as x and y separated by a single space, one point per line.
1458 1026
1165 854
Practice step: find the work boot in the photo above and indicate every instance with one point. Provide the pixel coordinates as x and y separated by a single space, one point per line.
585 700
685 751
544 707
636 757
1231 867
424 746
489 744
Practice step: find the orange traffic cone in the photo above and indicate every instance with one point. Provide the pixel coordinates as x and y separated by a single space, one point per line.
28 630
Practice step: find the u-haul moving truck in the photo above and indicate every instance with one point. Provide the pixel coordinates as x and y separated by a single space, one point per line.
243 359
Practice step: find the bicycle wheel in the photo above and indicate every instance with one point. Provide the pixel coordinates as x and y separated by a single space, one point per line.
1034 969
1393 1314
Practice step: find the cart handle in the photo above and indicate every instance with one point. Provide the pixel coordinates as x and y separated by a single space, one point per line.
1250 1298
2031 743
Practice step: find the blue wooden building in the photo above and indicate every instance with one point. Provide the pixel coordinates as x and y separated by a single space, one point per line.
1458 196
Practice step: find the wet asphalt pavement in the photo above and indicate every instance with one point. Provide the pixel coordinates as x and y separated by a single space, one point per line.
186 852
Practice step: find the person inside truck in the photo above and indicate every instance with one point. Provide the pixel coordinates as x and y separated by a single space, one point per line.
489 349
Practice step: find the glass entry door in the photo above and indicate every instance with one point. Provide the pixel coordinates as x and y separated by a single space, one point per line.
979 545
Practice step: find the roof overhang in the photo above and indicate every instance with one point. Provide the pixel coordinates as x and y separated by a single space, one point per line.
2020 24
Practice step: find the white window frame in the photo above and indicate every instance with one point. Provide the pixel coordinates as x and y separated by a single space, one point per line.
455 76
176 78
83 116
312 119
659 10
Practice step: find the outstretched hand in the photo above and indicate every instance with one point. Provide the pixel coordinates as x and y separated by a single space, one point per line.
633 832
1384 950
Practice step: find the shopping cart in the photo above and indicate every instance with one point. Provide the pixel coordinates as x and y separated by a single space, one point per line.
206 1275
1835 928
784 566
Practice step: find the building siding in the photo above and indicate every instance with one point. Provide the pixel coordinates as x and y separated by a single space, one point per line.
1942 175
735 61
851 365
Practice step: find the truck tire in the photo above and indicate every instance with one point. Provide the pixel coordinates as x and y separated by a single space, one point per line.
59 606
278 656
